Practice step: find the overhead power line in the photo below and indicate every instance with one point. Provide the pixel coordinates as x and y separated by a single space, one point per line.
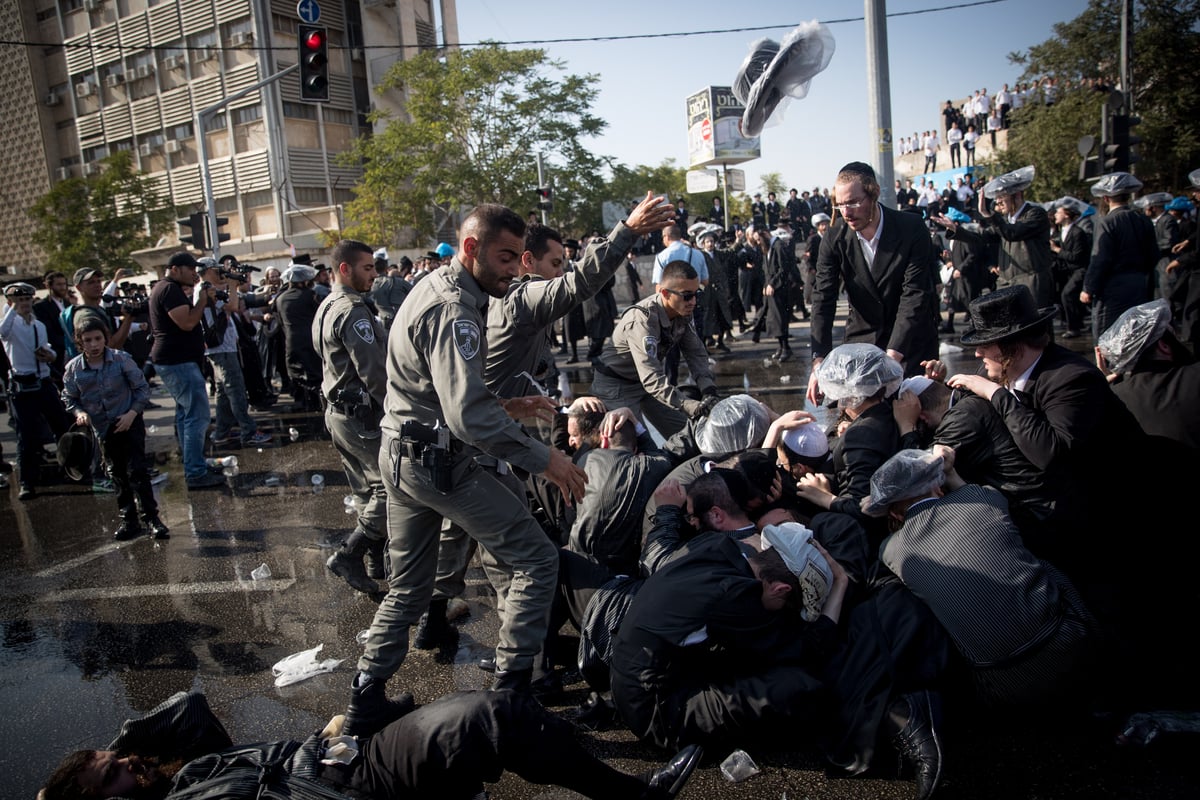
566 40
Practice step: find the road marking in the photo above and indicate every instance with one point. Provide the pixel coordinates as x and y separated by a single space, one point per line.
78 561
167 589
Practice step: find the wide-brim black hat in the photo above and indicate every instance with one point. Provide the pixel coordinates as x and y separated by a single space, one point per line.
1004 314
773 72
75 451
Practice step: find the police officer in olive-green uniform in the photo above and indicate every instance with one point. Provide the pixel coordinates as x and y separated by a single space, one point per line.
438 416
353 349
518 348
630 371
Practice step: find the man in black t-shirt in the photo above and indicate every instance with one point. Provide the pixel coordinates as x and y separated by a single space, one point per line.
177 354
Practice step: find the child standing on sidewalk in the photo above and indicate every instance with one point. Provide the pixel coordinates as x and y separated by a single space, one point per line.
104 388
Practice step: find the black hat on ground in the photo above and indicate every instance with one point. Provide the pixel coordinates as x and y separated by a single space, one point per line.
75 450
1004 314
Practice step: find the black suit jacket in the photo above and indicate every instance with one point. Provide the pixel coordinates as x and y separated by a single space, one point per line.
893 305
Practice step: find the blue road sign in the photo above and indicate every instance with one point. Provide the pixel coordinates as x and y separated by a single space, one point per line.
308 11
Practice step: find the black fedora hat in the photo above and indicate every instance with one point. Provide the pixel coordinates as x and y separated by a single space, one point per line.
1004 314
75 450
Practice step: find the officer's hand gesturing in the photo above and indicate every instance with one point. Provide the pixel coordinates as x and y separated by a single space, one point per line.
652 214
569 478
533 405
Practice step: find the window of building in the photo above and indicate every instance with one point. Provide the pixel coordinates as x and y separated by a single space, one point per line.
311 195
95 153
215 123
68 6
180 132
225 205
241 116
339 116
124 145
299 110
47 14
265 197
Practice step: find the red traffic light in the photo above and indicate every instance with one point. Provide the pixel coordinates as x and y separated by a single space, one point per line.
314 39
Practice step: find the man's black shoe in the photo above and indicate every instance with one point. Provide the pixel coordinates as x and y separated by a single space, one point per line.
126 531
26 493
209 480
518 680
916 719
665 783
370 709
786 355
433 630
487 664
157 529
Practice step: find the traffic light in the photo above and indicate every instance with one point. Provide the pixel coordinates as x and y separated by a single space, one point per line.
222 237
1124 141
314 63
197 224
545 198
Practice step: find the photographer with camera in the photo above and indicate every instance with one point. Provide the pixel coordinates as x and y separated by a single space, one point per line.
177 355
93 301
221 349
352 345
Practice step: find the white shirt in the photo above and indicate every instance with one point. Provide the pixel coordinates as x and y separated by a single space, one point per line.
869 246
20 339
954 136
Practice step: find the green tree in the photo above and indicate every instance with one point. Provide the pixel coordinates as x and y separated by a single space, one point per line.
1084 53
98 221
773 182
473 126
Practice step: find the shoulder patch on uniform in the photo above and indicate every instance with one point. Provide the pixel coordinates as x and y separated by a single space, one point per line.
466 337
365 330
651 345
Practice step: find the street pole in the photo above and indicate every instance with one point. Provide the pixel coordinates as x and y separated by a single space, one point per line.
202 116
1126 43
879 98
541 182
725 189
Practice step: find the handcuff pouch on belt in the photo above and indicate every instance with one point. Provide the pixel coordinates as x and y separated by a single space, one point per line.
429 449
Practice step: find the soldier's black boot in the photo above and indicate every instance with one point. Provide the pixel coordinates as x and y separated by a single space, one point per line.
433 630
375 558
370 708
347 563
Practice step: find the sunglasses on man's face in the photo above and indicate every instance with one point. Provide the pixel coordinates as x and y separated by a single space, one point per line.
686 297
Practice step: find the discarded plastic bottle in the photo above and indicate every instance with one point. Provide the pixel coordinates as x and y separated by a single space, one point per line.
739 766
318 483
224 461
231 472
294 434
153 429
261 573
348 502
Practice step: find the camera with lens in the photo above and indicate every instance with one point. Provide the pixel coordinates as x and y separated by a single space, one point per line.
132 302
219 294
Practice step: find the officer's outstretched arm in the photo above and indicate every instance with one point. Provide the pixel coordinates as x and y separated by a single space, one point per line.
569 478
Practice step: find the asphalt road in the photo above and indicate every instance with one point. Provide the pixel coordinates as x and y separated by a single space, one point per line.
95 632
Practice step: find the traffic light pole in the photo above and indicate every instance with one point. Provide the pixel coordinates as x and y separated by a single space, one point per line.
202 117
541 182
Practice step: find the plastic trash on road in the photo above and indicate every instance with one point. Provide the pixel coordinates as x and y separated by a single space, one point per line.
293 434
363 635
739 766
261 573
301 666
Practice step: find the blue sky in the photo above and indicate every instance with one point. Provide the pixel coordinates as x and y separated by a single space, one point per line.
644 82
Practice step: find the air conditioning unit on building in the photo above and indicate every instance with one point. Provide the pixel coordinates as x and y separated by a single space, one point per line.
203 54
173 62
62 173
145 149
172 146
53 99
356 54
114 80
84 89
144 71
240 39
91 168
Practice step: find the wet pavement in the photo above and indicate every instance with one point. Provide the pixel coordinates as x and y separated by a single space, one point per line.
95 632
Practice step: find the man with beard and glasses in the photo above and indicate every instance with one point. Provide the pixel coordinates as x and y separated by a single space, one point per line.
446 749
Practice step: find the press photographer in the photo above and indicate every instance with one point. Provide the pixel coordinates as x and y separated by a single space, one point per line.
90 289
222 336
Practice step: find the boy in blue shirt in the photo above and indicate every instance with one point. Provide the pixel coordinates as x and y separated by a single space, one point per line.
104 388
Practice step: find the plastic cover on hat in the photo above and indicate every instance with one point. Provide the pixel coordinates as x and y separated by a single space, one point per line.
916 384
444 250
1010 182
298 273
794 544
1153 199
381 253
765 90
1073 203
736 423
909 473
1115 183
1194 178
696 228
853 372
954 215
1180 204
1133 332
819 218
19 289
